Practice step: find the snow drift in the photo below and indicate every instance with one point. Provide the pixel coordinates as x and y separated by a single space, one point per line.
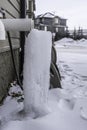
68 105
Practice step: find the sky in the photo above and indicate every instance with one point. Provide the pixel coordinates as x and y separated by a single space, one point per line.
73 10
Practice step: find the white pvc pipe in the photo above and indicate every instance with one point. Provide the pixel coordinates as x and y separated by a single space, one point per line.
18 24
2 31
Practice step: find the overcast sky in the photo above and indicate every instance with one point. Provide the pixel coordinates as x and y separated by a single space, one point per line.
73 10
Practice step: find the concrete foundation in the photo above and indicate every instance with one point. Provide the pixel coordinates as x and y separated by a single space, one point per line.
7 74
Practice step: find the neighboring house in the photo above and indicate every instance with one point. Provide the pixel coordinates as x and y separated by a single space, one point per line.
51 22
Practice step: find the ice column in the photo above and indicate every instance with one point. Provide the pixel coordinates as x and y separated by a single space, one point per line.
37 71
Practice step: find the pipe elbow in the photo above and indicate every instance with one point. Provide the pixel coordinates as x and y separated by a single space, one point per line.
2 31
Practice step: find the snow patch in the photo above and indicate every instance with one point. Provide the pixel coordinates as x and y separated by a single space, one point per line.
68 105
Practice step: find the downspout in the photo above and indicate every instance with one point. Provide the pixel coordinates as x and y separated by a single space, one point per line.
22 37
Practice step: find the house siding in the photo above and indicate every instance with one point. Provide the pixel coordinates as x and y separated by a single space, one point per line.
7 75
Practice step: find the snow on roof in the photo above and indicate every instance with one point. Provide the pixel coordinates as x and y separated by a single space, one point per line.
49 15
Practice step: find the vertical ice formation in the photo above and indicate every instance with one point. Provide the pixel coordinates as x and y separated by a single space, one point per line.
37 71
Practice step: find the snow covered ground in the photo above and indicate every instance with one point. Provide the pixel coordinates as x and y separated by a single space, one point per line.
67 106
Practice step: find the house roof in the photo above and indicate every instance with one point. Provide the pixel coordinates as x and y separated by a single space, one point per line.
49 15
46 15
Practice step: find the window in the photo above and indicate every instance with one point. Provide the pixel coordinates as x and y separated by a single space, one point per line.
56 29
45 28
1 16
56 20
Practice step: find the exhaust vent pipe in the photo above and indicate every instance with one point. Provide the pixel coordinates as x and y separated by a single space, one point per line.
18 24
2 31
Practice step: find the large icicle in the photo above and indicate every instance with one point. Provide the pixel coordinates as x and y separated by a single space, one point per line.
37 71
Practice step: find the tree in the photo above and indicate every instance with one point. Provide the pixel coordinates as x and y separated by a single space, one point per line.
74 34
